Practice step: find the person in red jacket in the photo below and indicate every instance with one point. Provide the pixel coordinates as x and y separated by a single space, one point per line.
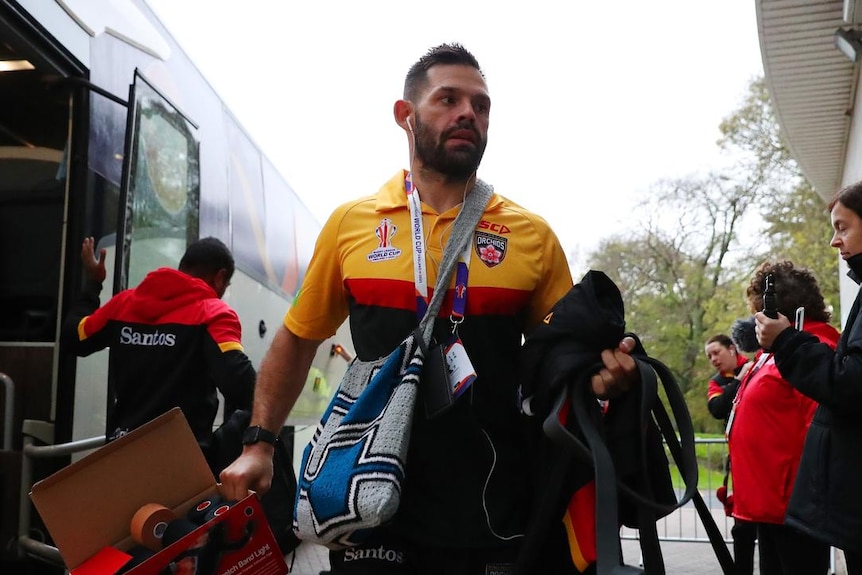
731 366
728 362
767 428
173 341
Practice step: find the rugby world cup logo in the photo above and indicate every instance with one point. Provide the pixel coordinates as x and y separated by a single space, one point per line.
384 231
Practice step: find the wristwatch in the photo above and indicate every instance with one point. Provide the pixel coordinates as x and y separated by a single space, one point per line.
257 433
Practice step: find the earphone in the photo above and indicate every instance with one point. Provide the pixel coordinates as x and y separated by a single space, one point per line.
409 125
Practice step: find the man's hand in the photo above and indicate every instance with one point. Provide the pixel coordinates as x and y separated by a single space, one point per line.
251 470
620 372
94 266
745 369
767 329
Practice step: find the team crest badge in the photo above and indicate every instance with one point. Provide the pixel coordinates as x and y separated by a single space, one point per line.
384 251
491 249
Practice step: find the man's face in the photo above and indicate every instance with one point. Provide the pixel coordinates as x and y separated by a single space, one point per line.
847 228
722 358
451 121
219 281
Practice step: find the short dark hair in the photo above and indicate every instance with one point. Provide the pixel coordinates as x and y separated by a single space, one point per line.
794 287
850 197
444 54
722 339
205 257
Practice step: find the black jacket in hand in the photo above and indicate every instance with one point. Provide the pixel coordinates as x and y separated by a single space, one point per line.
558 354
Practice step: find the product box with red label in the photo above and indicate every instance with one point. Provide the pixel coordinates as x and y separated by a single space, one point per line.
147 504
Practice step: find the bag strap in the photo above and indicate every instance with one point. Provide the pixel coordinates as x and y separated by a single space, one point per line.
683 458
462 231
607 523
608 550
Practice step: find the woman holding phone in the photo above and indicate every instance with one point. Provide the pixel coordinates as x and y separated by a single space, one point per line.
826 502
767 427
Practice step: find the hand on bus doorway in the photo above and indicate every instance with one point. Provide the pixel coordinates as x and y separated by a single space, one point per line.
94 266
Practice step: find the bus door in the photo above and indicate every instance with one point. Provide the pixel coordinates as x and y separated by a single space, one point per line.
158 216
41 120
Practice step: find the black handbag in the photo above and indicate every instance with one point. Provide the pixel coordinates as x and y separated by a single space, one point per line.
620 452
277 503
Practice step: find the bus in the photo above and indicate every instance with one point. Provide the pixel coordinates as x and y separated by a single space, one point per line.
107 129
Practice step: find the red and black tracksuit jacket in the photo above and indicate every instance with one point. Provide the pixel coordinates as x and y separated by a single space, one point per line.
173 343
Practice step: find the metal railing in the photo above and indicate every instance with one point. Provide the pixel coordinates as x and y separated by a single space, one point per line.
684 524
43 432
9 411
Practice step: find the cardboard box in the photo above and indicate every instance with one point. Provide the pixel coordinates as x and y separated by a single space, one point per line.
88 507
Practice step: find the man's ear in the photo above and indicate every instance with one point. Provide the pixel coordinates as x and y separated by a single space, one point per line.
220 282
402 110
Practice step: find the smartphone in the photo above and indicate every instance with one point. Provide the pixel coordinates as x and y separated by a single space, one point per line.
770 303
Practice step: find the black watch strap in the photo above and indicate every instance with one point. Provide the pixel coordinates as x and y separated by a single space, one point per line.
257 433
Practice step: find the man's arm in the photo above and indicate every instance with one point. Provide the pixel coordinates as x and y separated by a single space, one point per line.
227 363
720 399
88 302
234 375
281 377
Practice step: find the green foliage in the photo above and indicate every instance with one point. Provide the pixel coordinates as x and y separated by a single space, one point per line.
684 266
710 464
674 267
797 230
795 217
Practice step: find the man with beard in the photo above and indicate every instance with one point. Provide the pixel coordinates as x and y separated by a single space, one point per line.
465 501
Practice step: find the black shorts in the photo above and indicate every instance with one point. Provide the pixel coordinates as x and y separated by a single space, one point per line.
411 559
390 556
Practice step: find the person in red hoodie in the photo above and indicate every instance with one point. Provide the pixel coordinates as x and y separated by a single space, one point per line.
767 427
173 341
731 366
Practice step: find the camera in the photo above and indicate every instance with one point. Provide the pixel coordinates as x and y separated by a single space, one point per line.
770 302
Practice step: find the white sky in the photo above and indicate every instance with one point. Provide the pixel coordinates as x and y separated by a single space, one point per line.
592 102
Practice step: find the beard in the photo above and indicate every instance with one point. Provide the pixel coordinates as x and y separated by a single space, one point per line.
455 165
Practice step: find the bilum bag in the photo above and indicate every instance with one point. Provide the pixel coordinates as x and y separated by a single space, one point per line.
353 468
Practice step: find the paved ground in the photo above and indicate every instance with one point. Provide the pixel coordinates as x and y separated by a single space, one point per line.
694 556
310 559
680 558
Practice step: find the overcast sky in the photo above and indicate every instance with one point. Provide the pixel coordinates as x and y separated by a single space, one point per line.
592 102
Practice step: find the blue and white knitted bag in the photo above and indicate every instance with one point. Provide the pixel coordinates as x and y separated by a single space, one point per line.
353 467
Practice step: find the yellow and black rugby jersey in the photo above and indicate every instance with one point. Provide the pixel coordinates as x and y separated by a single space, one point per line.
364 259
469 472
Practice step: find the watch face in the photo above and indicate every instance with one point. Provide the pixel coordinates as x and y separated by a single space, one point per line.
251 435
256 433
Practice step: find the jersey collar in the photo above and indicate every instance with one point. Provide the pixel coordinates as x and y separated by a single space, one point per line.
393 196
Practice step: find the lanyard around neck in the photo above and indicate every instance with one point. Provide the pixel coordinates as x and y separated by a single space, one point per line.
420 268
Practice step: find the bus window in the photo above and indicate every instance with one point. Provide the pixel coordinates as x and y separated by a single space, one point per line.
161 183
